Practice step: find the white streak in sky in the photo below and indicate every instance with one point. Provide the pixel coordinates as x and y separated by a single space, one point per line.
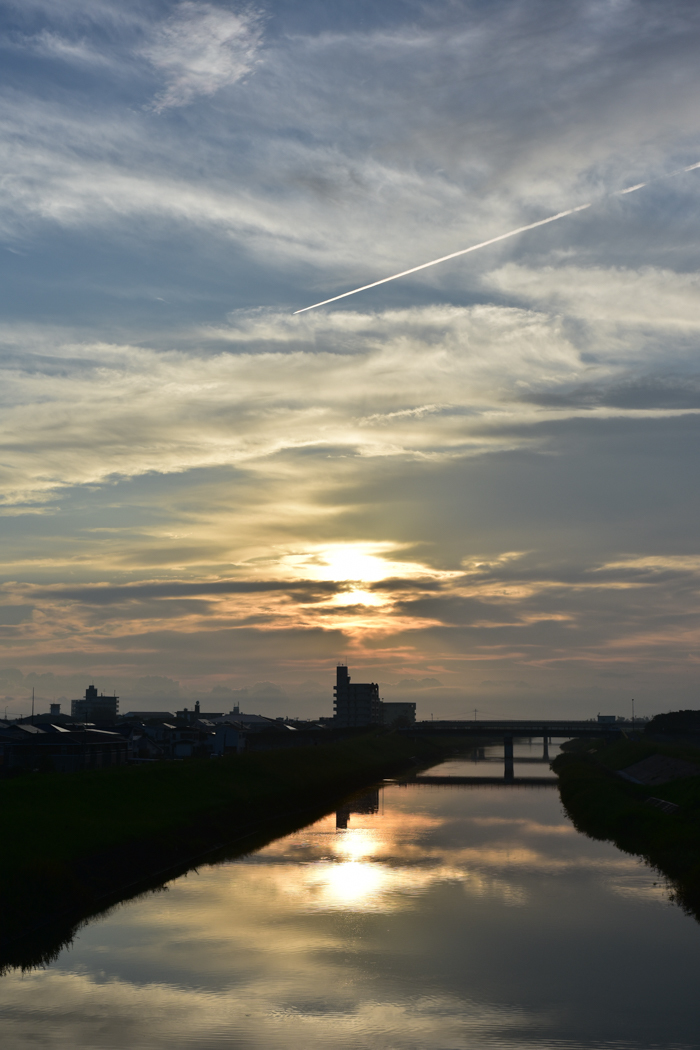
493 240
444 258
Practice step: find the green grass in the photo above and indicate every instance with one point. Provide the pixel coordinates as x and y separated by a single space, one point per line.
70 840
70 815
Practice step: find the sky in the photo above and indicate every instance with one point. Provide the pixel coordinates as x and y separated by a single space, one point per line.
475 485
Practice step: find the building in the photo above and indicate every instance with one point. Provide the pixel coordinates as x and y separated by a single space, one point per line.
191 716
356 703
400 714
367 803
94 708
146 716
229 739
55 748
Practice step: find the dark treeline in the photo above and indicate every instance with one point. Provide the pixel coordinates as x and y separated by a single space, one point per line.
674 723
603 805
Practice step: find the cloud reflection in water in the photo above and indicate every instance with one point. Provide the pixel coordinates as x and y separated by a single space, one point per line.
433 919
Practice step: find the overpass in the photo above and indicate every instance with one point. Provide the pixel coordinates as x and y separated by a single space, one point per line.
509 730
549 727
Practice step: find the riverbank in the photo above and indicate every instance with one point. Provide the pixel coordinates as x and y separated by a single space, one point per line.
604 805
75 843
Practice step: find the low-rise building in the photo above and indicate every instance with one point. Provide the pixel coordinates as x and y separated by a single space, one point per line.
147 716
229 739
59 748
178 741
187 715
398 713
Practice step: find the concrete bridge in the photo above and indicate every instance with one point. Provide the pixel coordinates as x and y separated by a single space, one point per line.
454 781
509 730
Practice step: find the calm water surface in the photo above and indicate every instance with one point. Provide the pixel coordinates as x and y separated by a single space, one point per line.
417 917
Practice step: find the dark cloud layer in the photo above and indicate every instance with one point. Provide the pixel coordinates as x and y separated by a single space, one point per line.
109 595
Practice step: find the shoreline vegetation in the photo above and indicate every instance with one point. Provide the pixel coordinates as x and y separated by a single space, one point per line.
604 805
77 844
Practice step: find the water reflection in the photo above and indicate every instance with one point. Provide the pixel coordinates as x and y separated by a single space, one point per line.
531 759
366 802
414 919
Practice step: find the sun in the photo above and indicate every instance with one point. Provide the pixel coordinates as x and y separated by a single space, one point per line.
352 562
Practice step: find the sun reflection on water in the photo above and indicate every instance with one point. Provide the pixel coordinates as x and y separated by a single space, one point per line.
303 943
356 843
354 884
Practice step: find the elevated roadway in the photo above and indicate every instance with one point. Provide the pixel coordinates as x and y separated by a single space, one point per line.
559 728
509 730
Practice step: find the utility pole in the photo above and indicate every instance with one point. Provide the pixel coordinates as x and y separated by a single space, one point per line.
32 705
475 710
633 714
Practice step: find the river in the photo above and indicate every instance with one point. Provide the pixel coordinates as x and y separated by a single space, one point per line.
416 918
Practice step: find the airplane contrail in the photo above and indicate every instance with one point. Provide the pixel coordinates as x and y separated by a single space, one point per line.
492 240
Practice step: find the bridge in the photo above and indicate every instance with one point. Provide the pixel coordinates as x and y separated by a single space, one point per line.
524 727
509 730
455 781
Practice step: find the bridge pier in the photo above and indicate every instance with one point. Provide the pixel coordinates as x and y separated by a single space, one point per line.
508 772
545 750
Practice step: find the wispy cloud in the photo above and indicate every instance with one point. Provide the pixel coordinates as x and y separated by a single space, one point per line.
185 444
201 49
639 298
430 383
49 44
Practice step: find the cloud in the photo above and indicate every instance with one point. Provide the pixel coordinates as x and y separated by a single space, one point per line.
344 134
48 44
193 457
106 595
419 683
434 383
201 49
636 298
245 406
15 614
89 12
507 683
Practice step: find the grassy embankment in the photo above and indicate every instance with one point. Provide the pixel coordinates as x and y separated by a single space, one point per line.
605 806
71 841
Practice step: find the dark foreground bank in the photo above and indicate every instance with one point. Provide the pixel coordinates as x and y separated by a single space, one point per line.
74 844
604 805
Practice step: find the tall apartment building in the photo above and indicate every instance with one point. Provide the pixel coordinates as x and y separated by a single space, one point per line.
94 708
356 703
